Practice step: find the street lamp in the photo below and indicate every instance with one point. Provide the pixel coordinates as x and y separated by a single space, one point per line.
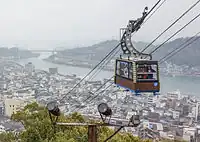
105 110
53 108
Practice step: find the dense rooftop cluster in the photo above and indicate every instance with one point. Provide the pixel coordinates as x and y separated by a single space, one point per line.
170 116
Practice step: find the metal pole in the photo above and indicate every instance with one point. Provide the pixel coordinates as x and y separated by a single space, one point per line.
92 133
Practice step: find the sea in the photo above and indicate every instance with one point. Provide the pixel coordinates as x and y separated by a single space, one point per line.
188 85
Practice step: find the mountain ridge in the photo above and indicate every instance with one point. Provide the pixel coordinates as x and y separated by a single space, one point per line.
98 51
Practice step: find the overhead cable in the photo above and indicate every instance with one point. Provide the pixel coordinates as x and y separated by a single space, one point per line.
96 91
171 25
180 48
91 71
175 33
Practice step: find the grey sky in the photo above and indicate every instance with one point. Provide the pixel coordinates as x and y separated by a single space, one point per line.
49 23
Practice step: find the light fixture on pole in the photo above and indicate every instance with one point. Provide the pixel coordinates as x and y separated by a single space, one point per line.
53 110
105 110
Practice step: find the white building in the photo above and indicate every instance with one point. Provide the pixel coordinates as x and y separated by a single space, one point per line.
197 110
12 106
188 133
29 68
175 114
152 99
174 95
130 114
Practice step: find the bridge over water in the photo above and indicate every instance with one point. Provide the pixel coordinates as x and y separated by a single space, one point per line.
44 50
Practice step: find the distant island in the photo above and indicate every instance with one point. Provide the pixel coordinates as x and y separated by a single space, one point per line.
16 53
185 63
93 54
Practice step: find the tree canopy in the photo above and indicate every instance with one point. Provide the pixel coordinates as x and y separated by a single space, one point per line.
38 128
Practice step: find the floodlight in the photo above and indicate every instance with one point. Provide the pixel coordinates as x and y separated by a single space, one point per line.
104 109
53 108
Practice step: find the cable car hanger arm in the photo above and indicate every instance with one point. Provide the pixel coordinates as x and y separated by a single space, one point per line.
133 26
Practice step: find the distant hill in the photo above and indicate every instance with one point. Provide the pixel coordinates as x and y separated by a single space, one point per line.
97 51
189 56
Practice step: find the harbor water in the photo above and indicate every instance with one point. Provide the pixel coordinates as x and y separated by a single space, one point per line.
187 84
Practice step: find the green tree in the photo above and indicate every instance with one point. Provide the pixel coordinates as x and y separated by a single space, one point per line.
38 128
7 137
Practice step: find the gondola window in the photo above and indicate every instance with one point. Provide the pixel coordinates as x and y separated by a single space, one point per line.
147 73
124 69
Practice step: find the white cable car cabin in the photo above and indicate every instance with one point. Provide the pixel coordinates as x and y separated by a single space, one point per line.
137 75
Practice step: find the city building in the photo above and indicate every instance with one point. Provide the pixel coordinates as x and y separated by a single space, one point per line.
176 114
29 68
12 106
174 95
2 108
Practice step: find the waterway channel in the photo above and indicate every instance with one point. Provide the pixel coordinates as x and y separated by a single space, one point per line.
187 84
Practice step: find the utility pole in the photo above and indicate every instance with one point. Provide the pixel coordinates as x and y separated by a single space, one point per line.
92 128
92 133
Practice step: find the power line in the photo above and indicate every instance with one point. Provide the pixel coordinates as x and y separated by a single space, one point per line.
181 28
97 71
94 97
171 25
172 52
149 16
153 7
131 35
154 11
176 33
104 57
182 45
101 68
106 63
91 70
95 91
180 48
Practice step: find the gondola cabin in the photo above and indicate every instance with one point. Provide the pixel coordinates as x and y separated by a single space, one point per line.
137 75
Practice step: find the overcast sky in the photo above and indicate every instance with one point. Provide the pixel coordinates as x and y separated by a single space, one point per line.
50 23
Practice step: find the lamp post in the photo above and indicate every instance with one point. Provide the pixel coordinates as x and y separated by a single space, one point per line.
104 110
53 110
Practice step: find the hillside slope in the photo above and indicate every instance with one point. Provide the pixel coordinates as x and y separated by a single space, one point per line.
188 56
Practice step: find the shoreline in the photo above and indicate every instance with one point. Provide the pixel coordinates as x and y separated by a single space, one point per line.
184 92
76 65
112 70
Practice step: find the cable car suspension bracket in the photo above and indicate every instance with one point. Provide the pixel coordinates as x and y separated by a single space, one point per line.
126 34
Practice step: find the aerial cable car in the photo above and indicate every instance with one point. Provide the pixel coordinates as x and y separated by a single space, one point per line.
136 72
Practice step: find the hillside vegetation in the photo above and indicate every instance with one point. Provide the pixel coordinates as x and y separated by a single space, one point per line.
38 128
188 56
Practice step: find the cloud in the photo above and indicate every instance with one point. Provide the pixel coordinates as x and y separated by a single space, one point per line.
76 22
